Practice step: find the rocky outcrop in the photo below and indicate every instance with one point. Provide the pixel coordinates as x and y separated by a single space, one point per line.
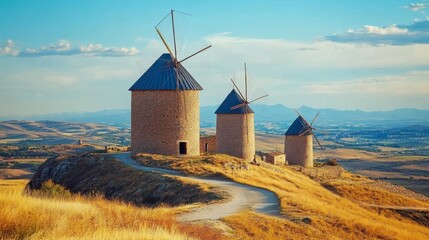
91 174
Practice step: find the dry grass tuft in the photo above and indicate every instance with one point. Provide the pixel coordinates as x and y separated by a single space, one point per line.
28 217
249 225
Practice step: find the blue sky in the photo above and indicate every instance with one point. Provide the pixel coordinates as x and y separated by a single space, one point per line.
64 56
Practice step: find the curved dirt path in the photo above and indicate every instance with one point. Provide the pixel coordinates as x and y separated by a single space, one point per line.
241 196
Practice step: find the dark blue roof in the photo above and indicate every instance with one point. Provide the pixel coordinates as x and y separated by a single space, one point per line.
162 75
299 126
232 100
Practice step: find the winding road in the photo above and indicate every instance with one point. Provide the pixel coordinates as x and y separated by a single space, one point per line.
241 196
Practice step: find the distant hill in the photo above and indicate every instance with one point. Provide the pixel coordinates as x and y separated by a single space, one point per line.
120 118
264 113
54 132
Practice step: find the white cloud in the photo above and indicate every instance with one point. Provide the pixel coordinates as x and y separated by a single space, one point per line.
318 74
282 55
390 30
9 49
417 6
285 69
65 48
415 33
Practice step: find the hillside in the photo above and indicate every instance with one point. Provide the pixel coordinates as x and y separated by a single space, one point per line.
321 203
100 174
342 206
24 216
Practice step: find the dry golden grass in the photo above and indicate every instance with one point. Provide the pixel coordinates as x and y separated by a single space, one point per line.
26 217
351 154
370 195
332 215
269 142
249 225
344 153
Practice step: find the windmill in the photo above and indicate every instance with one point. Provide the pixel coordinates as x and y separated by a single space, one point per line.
299 141
309 127
235 130
161 123
244 98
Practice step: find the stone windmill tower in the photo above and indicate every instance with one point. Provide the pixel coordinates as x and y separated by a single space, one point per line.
235 128
165 115
299 142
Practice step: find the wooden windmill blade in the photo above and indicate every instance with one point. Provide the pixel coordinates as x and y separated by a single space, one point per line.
245 81
305 123
314 119
246 102
306 131
238 89
243 103
254 100
194 54
164 41
320 145
174 33
314 129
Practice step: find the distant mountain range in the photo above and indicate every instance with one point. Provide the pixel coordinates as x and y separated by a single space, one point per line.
263 113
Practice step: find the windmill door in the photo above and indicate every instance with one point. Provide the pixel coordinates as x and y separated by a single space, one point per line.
206 147
183 148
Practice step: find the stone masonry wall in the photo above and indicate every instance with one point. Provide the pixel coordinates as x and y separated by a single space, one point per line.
299 150
276 160
211 141
231 137
161 119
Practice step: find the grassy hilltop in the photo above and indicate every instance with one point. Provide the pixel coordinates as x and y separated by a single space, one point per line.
321 203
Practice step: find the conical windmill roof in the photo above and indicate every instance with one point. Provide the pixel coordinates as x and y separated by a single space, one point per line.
232 100
298 127
162 75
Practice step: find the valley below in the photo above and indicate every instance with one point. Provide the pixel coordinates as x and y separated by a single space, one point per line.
398 154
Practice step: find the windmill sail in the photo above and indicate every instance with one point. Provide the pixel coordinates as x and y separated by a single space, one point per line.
172 38
172 30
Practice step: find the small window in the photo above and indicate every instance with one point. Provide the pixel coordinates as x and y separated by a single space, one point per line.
183 148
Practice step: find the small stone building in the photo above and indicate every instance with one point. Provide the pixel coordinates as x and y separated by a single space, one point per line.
276 158
165 113
299 143
235 129
208 144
